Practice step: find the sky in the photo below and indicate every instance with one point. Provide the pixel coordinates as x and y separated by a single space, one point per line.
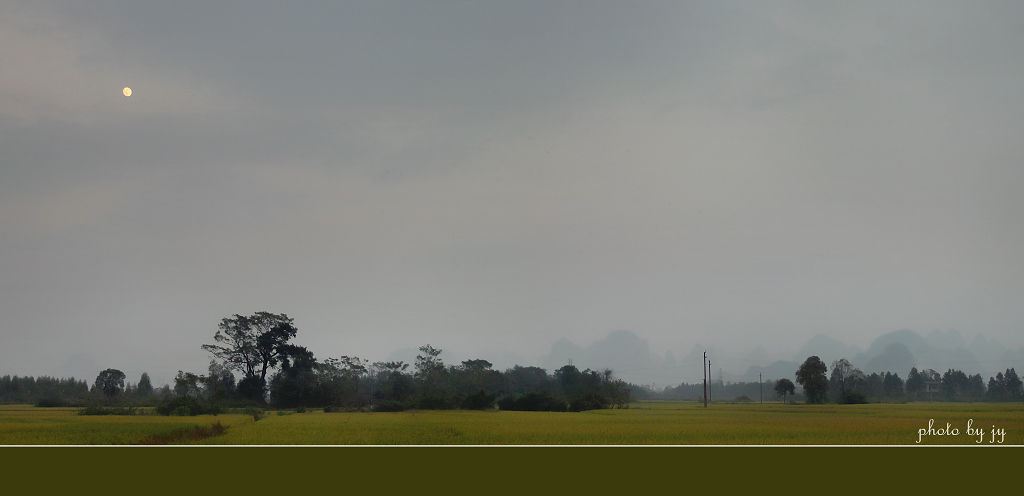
490 177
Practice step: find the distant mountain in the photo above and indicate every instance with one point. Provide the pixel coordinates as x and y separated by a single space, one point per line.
946 340
826 348
895 358
757 357
777 370
562 352
939 350
627 355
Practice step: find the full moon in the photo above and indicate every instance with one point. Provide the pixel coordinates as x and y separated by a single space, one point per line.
127 91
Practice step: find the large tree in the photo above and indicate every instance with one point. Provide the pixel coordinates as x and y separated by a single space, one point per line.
784 387
915 382
145 387
811 375
841 371
253 345
893 385
111 382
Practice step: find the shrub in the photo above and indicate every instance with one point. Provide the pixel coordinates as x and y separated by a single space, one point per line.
51 403
390 406
479 400
853 398
181 406
103 410
590 401
257 413
532 402
435 403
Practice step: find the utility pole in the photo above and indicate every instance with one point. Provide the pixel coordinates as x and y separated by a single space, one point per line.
704 365
759 389
710 389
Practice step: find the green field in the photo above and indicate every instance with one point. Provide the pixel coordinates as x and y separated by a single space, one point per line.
644 423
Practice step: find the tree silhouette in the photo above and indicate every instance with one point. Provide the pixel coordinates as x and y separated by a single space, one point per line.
811 375
784 387
111 382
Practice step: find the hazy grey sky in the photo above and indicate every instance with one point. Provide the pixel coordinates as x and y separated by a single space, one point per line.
493 176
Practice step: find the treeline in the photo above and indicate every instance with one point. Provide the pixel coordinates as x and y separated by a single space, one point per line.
955 385
31 390
351 383
275 372
720 390
847 384
286 375
53 392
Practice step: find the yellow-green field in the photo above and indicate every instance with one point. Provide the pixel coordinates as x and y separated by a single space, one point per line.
645 423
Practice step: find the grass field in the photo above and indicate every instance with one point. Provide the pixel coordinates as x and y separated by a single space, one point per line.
644 423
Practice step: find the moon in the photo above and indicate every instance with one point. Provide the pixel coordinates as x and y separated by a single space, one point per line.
127 91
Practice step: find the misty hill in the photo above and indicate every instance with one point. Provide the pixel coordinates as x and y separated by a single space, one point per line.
778 370
898 351
827 349
627 355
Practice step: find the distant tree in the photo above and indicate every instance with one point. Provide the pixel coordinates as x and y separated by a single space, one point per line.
473 376
1005 387
219 382
784 387
954 385
520 380
874 386
811 375
188 384
390 383
111 382
915 382
570 379
428 362
145 387
253 345
996 388
347 381
1014 386
841 371
432 378
297 384
975 388
892 386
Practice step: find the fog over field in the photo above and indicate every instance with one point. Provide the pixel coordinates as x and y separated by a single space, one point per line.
524 182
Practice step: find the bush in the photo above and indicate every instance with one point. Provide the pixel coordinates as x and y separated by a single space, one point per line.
435 403
532 402
52 403
853 398
479 400
187 406
104 410
590 401
257 413
390 406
